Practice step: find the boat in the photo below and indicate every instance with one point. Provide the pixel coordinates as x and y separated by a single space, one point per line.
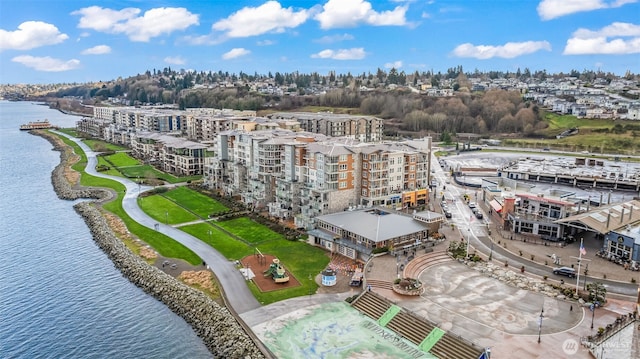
37 125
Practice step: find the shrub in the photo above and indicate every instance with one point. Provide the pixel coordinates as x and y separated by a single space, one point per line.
380 250
633 280
533 257
520 253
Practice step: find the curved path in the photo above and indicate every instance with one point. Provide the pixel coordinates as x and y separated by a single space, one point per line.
238 295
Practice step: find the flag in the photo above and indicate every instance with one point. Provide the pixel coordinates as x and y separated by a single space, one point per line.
582 250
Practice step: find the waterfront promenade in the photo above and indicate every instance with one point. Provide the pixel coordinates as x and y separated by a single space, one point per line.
237 293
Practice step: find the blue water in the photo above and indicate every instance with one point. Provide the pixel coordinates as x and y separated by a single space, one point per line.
60 296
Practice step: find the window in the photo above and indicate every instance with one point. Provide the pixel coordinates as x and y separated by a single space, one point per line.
412 168
343 175
364 192
342 167
365 165
342 184
343 158
391 170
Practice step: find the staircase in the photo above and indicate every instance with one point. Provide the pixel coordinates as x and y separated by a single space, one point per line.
414 328
422 262
380 284
372 305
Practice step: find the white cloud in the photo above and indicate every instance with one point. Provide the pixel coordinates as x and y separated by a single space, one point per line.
265 43
268 17
425 15
356 53
97 50
608 40
507 51
175 60
350 13
235 53
330 39
551 9
29 35
393 65
47 64
152 23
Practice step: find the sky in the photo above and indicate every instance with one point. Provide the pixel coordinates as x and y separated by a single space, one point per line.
61 41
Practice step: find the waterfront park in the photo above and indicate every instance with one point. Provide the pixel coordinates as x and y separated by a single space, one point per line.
233 234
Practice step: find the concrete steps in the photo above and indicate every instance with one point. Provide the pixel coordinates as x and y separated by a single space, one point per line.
414 328
422 262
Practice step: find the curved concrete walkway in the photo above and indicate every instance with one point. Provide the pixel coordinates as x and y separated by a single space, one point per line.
238 295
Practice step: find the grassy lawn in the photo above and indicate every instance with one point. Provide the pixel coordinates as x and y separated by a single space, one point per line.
249 230
597 136
163 210
122 159
148 171
227 246
69 131
302 260
99 145
194 201
112 171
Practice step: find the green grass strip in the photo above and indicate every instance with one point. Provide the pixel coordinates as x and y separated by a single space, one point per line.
249 230
388 315
196 202
431 339
165 211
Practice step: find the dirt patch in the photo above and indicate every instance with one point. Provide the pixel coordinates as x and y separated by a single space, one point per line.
260 264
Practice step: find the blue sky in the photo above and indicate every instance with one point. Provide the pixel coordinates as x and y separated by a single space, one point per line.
54 41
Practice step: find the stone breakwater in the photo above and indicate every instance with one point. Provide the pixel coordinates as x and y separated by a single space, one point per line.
214 324
220 332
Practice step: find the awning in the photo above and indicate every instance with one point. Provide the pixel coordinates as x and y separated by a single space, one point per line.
496 206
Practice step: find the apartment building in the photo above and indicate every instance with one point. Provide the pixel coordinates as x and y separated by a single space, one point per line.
171 154
537 214
300 175
360 128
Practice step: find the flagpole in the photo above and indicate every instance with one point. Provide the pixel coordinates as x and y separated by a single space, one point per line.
579 261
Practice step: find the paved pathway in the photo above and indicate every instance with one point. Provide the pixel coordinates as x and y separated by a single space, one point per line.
233 283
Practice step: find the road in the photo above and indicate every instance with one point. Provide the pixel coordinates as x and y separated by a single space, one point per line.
475 232
238 295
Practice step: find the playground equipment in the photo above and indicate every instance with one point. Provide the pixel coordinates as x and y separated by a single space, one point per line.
277 272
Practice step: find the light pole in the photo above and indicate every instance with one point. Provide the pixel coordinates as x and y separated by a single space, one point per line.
491 253
593 311
540 323
209 232
166 217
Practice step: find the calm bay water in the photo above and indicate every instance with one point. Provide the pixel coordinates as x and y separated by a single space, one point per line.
60 296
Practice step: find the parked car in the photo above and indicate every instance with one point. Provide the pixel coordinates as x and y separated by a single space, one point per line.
472 205
447 214
479 215
566 271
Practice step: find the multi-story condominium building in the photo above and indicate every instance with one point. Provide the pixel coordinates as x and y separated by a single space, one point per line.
302 175
361 128
171 154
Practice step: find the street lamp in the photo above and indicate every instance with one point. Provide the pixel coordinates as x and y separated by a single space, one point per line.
540 323
209 232
491 253
166 217
593 307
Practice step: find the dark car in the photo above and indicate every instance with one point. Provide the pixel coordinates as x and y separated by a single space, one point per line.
566 271
479 215
447 214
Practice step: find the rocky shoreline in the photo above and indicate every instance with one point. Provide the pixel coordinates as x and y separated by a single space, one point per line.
214 324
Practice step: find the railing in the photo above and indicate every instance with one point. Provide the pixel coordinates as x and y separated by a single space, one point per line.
592 341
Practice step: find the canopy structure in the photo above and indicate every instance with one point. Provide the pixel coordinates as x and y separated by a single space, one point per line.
606 218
